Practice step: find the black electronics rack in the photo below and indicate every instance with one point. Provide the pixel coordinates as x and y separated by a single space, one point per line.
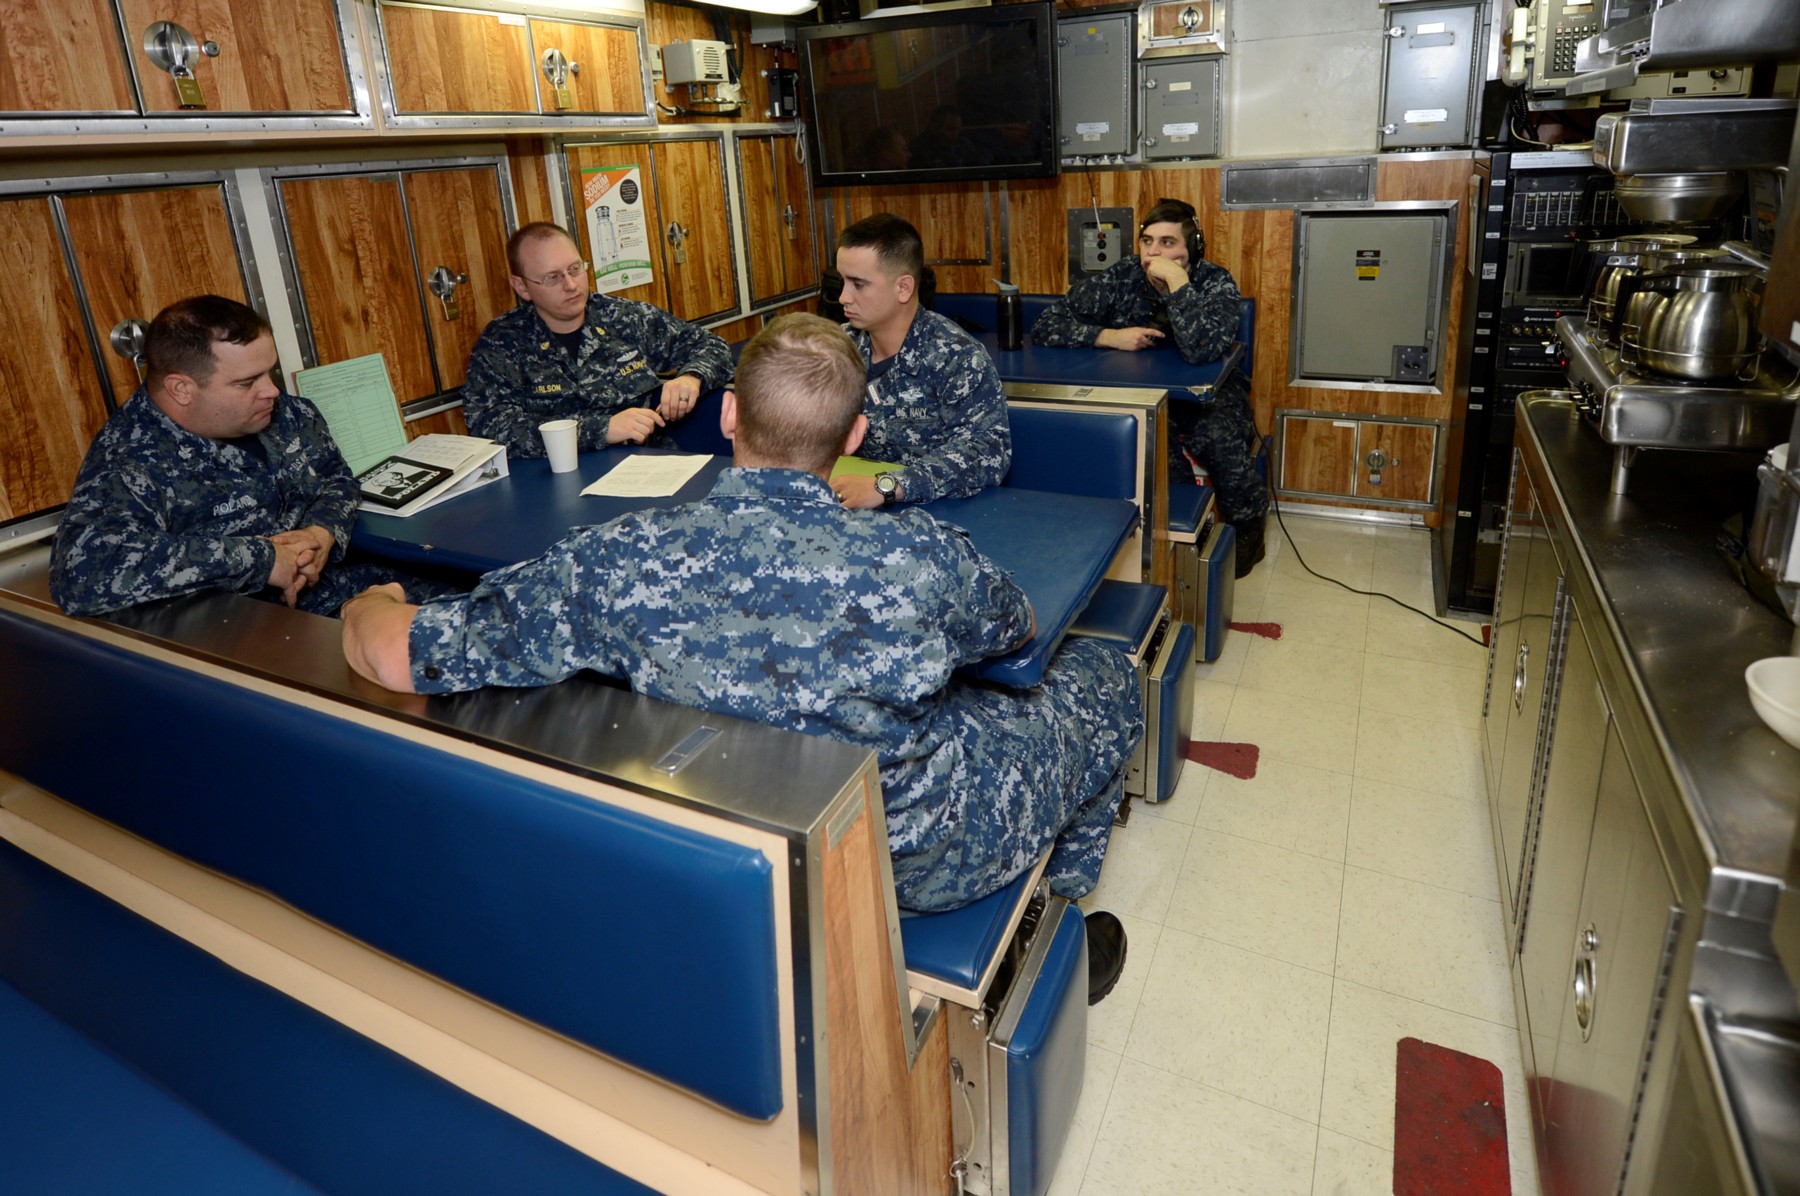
1536 214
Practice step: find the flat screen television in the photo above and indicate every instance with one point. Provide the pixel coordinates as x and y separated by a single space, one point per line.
958 94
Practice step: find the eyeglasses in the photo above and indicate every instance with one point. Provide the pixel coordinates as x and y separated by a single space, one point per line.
573 273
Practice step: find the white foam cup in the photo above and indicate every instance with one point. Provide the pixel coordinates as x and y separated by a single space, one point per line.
559 444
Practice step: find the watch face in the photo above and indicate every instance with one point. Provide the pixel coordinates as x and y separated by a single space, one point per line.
885 483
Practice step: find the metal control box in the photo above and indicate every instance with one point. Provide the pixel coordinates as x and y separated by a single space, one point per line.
1099 237
696 61
1095 58
1368 294
1431 75
1181 107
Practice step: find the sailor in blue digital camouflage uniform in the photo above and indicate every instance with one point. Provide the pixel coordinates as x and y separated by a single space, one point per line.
934 403
771 602
1169 289
210 478
566 354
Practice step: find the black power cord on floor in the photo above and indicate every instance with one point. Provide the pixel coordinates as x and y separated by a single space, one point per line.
1275 506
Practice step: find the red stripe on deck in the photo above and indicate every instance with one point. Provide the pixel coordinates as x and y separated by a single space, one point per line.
1269 631
1234 759
1449 1123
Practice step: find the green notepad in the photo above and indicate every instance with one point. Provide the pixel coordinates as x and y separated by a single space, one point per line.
858 467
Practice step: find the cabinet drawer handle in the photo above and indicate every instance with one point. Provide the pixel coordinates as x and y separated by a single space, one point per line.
1520 667
1585 993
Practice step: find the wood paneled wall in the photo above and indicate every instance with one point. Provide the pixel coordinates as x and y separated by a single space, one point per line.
60 56
50 404
528 160
1256 246
665 23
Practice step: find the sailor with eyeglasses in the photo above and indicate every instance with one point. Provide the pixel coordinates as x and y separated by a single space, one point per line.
568 354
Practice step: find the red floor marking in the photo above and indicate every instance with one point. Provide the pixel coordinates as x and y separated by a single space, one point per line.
1269 631
1449 1123
1233 759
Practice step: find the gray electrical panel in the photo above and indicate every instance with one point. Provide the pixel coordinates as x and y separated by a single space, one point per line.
1368 295
1181 107
1094 61
1099 237
1431 75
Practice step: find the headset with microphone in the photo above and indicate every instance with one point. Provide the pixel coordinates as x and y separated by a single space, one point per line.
1178 212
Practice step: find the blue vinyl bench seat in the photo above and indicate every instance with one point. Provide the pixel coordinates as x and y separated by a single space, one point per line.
954 955
1187 508
74 1118
253 1091
1122 613
1071 451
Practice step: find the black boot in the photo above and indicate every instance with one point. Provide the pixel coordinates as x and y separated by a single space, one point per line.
1106 954
1249 543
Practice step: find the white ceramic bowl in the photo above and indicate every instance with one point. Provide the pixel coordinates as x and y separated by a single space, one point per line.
1775 692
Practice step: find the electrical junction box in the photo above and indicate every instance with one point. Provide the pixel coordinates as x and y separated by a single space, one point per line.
1099 238
1095 58
695 61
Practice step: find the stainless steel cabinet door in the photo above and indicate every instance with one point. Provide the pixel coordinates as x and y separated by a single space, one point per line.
1618 964
1181 108
1556 863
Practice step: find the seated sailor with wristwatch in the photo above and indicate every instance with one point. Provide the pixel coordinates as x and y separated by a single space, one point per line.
934 403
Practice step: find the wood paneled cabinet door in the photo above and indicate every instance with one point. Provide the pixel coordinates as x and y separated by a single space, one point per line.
238 55
409 265
1394 461
51 404
599 68
778 216
695 228
1318 454
63 56
139 251
457 60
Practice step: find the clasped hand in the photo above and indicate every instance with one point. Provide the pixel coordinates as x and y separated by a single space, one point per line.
300 556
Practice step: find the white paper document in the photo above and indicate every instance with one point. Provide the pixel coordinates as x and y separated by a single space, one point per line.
642 475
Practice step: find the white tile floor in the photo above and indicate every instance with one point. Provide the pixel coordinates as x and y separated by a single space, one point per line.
1286 931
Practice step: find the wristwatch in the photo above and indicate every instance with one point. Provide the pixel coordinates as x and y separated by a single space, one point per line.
888 486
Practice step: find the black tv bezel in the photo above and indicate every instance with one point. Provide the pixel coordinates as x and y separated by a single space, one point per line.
1049 163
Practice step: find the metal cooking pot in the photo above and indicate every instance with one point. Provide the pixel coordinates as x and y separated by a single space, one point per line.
1678 198
1704 329
1614 262
1634 303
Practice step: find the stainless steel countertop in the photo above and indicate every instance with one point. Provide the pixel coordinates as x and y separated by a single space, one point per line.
779 781
1687 630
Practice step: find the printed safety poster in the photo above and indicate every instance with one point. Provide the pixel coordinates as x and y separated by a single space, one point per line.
617 233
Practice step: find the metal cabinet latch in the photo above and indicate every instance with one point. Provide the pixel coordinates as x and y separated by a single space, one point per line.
172 48
127 340
443 282
1377 460
557 69
790 216
677 237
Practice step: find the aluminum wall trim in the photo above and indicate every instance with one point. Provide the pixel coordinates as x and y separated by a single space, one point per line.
82 304
412 251
290 271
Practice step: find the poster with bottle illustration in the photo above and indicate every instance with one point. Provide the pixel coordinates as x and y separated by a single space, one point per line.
618 236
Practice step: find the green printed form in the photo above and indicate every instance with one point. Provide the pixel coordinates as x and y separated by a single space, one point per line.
357 401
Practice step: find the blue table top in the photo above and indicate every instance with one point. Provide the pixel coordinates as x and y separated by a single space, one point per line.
1056 546
1161 368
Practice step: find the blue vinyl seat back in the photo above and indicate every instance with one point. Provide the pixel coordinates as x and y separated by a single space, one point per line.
979 310
133 1061
698 431
1046 1060
651 943
1246 334
1071 451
